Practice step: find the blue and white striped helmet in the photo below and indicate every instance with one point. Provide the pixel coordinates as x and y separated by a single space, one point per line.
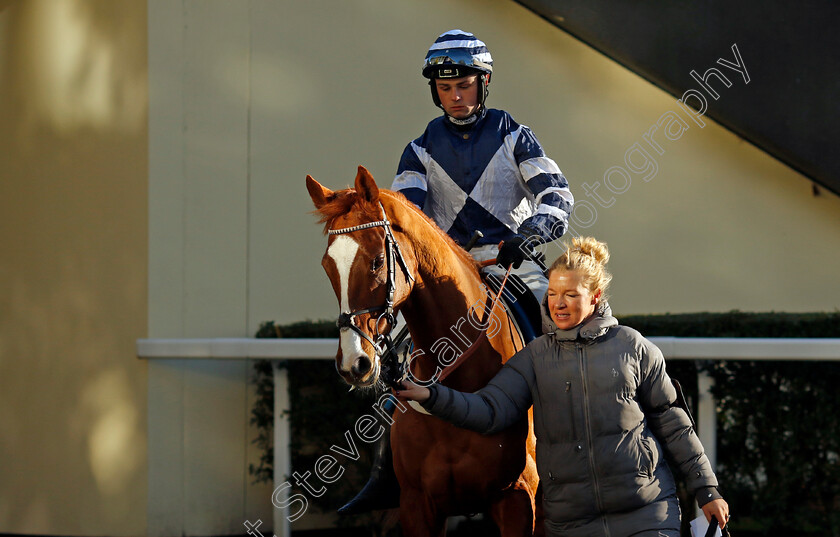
455 54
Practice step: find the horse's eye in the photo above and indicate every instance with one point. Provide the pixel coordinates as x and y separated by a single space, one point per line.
377 262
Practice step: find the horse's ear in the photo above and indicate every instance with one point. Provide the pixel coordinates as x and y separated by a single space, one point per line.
366 186
317 192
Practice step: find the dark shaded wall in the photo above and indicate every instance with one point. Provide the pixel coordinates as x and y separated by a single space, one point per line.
789 51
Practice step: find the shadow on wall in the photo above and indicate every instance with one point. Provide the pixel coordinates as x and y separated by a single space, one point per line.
74 64
73 274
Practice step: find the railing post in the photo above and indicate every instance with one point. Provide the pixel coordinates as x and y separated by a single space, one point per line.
707 416
282 456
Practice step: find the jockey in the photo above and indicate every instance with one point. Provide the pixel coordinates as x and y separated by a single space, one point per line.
475 169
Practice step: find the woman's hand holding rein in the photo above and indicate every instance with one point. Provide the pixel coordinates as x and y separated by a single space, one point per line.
413 392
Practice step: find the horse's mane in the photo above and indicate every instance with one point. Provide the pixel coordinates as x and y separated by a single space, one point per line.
342 202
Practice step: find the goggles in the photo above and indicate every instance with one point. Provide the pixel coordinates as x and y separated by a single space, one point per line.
454 63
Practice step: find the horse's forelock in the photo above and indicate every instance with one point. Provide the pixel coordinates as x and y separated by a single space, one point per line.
343 202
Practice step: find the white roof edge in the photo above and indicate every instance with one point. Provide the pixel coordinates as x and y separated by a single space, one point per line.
236 348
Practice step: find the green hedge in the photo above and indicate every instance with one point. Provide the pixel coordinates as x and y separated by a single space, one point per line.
778 436
737 324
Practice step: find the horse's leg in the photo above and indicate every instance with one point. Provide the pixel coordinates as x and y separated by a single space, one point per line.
415 523
539 518
418 517
514 512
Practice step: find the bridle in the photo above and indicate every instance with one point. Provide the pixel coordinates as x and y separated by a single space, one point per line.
393 255
384 345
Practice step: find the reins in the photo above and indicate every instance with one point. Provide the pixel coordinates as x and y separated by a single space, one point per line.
482 336
464 356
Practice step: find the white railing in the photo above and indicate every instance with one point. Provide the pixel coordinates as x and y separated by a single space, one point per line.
325 349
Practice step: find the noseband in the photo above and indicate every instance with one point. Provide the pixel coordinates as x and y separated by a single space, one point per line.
393 255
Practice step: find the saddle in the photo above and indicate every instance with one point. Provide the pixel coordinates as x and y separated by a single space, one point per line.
521 304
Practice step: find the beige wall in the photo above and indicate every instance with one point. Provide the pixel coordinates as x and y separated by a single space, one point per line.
73 271
199 178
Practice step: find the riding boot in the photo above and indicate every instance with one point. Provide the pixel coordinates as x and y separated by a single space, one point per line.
382 491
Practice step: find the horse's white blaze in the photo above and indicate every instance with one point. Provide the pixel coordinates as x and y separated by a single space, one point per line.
343 252
351 348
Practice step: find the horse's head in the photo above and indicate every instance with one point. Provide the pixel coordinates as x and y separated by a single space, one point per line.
370 274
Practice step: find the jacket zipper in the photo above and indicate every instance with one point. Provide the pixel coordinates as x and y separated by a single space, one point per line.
591 450
571 410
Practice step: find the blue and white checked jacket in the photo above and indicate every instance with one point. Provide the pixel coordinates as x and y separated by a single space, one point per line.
493 177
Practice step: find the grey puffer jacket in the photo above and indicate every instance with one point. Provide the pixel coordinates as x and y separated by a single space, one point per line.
604 418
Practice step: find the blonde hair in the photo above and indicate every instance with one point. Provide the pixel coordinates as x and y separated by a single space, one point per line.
587 256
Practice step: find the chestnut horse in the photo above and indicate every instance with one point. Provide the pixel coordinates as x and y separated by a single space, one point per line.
383 255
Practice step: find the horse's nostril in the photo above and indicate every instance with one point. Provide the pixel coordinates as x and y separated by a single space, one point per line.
361 366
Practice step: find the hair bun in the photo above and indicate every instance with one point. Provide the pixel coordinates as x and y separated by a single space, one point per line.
593 248
587 256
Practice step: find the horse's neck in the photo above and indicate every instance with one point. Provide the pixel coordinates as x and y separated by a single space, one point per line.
443 314
447 280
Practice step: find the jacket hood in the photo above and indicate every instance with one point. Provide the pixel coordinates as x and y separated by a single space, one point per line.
594 327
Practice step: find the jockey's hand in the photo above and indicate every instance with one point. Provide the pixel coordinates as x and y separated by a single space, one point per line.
720 509
409 390
514 251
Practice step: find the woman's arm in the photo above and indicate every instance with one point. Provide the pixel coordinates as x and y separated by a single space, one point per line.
504 401
673 429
